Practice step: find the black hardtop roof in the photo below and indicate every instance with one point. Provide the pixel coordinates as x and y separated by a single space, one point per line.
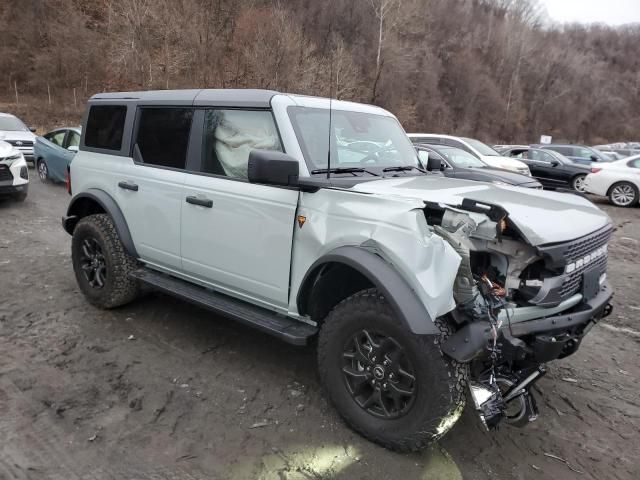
217 97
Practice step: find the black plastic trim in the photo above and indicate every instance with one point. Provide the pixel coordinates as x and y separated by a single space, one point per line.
403 299
110 206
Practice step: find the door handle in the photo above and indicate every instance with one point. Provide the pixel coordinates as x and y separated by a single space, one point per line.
203 202
128 186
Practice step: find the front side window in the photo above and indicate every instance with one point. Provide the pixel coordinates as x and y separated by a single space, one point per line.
56 138
229 137
357 140
163 136
105 127
74 139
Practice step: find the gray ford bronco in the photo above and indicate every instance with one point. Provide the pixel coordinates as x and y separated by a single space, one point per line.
314 220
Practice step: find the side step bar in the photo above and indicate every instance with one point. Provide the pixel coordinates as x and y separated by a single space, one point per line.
287 329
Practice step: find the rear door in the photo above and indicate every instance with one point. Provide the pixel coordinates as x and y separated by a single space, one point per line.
150 188
237 236
546 168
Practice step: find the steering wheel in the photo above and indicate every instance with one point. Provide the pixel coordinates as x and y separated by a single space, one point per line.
374 157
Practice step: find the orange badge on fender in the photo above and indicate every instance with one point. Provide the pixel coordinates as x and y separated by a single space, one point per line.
301 220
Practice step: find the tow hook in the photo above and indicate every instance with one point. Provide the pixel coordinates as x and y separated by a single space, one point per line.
506 399
608 308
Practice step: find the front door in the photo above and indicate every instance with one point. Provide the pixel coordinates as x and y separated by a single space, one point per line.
237 236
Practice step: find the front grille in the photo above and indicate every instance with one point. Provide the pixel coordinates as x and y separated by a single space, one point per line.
578 250
585 245
5 173
573 282
20 143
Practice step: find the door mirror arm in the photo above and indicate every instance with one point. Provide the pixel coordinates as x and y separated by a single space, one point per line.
273 168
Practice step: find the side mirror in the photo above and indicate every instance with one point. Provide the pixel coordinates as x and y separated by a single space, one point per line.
434 164
594 158
33 129
73 148
555 163
272 168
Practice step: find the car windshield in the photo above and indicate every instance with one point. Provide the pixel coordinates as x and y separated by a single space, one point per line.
482 148
460 159
11 124
361 141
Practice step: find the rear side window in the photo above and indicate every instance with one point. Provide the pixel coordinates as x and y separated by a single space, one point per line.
105 126
163 136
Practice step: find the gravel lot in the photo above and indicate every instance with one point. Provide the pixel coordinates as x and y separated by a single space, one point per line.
161 390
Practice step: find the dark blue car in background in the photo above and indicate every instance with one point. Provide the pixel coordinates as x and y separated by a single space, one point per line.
54 151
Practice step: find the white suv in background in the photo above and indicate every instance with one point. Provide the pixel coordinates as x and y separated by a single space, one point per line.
14 176
14 131
476 148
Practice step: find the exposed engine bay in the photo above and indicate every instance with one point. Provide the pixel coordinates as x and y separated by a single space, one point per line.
517 306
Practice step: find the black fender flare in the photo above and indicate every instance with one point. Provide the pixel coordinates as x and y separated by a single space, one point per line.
385 277
76 211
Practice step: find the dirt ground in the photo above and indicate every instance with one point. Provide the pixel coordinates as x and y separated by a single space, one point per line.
163 390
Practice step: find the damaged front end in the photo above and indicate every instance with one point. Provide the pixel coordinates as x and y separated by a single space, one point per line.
518 306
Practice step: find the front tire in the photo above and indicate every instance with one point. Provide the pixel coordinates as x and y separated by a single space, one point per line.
578 183
623 194
101 265
391 386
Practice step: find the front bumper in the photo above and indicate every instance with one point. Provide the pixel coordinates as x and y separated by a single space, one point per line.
13 189
540 340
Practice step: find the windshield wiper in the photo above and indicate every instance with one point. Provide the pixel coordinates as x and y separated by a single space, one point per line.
404 168
353 170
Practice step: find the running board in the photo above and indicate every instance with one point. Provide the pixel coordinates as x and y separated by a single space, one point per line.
287 329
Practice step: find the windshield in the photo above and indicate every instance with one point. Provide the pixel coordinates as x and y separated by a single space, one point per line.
482 148
358 140
460 159
11 124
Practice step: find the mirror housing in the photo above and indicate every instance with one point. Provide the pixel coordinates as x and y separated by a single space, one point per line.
33 129
73 148
594 158
555 163
434 165
272 168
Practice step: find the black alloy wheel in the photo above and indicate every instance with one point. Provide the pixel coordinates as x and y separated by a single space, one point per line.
92 263
379 375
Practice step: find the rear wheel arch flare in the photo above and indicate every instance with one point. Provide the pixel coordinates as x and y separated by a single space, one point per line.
362 269
95 201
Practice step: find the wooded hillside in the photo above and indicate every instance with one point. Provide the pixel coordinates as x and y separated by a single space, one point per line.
492 69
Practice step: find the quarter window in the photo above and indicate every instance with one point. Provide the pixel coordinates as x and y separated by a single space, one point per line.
105 126
163 136
229 137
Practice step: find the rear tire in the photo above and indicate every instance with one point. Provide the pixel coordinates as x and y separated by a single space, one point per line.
429 404
101 265
43 170
623 194
577 183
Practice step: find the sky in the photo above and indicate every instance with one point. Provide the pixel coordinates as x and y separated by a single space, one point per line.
612 12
